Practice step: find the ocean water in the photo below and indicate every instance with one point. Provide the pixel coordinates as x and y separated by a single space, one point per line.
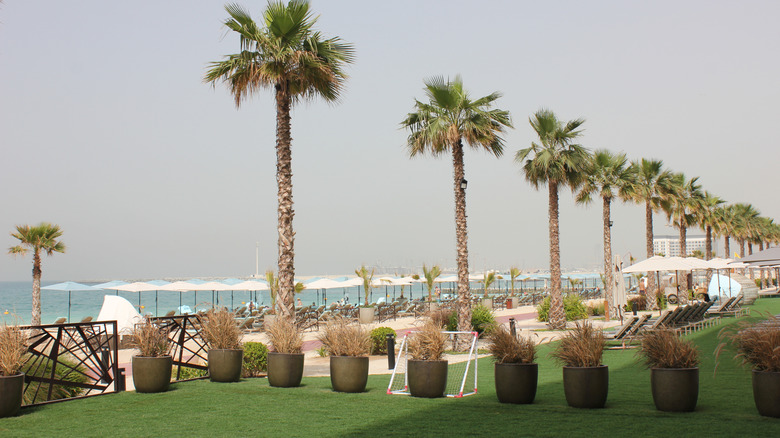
16 299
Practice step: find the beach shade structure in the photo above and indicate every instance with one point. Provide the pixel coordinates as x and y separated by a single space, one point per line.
118 309
722 285
177 286
138 286
108 285
767 257
71 286
215 287
251 286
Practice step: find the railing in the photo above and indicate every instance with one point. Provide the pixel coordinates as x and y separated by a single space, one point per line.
68 361
188 348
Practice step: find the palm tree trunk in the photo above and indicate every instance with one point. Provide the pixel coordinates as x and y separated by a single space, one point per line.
742 251
708 252
651 293
463 303
36 288
750 252
727 246
607 257
682 289
557 313
763 277
285 200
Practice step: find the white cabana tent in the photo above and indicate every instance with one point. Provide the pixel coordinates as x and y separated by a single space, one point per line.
116 308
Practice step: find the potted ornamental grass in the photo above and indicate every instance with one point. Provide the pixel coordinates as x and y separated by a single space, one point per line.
758 346
348 346
366 311
13 350
585 378
516 370
427 370
674 370
223 337
285 360
153 364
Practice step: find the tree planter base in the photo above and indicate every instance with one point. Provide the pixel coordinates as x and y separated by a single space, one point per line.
285 370
152 374
427 378
586 387
766 393
348 373
366 315
225 365
516 382
675 389
487 302
11 392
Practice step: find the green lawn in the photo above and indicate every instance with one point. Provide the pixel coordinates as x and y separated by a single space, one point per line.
251 407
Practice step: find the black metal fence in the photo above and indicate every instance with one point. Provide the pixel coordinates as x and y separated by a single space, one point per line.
188 348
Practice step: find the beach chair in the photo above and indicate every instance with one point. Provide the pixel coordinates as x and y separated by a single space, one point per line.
247 325
723 306
621 332
87 319
171 313
60 320
658 322
636 329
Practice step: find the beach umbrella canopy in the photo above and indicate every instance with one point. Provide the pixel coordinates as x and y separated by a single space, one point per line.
138 286
108 284
251 285
447 279
71 286
324 283
355 281
178 286
660 263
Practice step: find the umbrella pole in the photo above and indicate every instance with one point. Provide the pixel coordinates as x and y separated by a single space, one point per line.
68 306
231 300
156 312
179 301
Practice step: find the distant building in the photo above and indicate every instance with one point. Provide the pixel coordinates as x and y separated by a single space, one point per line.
670 245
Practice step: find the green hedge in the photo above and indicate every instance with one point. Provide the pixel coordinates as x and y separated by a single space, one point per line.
572 304
255 359
379 339
482 320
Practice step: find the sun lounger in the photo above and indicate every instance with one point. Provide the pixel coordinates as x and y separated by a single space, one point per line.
621 332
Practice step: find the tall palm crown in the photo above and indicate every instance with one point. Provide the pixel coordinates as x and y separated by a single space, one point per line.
284 54
554 161
684 197
607 175
744 224
449 119
706 216
41 238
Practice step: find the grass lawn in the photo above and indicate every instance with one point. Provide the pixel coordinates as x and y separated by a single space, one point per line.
251 407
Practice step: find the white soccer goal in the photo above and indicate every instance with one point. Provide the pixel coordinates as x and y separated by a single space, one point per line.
461 371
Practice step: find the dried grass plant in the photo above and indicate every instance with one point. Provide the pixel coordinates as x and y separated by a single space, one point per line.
581 347
664 348
220 330
13 348
285 337
441 316
343 339
757 344
427 343
507 348
149 339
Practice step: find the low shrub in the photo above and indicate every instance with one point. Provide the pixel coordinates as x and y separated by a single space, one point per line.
482 319
640 302
581 347
596 309
255 359
188 373
506 348
343 339
379 339
757 343
662 302
67 369
572 304
663 348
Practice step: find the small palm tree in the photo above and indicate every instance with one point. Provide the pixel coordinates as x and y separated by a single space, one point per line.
554 161
607 175
489 279
283 53
367 277
41 238
513 274
450 119
430 278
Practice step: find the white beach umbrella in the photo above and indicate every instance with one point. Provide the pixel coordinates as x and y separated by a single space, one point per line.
447 279
325 283
70 286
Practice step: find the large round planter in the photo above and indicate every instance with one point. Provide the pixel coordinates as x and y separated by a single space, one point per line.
515 302
766 393
675 389
586 387
11 391
427 378
487 302
152 374
285 370
225 365
366 315
516 382
349 373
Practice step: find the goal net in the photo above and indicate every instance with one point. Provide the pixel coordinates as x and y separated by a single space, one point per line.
461 370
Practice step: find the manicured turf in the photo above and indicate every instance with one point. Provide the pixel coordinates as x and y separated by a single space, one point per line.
251 407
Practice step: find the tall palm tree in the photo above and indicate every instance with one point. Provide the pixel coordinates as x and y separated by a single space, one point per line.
554 161
684 197
706 216
282 53
607 175
450 119
41 238
726 223
652 182
745 216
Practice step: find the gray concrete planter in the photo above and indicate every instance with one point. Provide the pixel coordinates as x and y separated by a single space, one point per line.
11 391
516 382
675 389
515 302
427 378
285 370
366 315
766 393
225 365
349 373
586 387
152 374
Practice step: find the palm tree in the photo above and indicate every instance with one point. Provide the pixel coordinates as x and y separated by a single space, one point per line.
430 278
450 119
684 198
513 274
706 217
745 216
488 280
286 55
726 220
607 175
651 189
367 277
554 161
41 238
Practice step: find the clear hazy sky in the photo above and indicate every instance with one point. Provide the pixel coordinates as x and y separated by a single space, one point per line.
107 129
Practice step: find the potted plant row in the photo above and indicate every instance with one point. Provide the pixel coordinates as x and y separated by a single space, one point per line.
223 338
585 378
153 364
427 370
285 360
348 346
516 372
674 370
13 349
